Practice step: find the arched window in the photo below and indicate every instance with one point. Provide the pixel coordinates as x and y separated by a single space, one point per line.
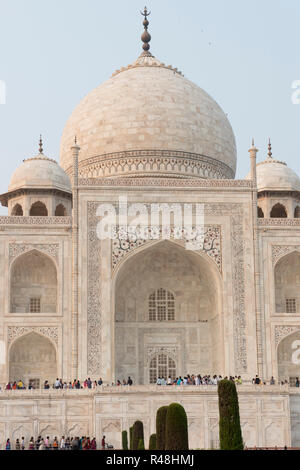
161 366
38 209
161 306
297 212
60 211
278 211
17 210
260 213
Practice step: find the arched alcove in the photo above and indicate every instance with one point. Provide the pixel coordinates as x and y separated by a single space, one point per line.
278 211
33 284
288 358
32 357
260 213
287 283
166 272
38 209
60 211
297 212
17 210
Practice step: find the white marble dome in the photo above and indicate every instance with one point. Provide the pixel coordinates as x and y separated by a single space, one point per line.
275 175
40 172
148 119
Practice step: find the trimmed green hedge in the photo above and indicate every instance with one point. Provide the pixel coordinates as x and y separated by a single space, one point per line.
176 428
161 428
229 425
141 445
124 440
137 434
152 442
130 437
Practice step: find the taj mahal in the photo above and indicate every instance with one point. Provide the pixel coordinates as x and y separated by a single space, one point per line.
76 306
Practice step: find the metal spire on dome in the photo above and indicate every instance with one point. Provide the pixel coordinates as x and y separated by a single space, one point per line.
146 37
269 149
41 145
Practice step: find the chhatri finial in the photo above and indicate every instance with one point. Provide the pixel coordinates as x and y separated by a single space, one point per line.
270 149
146 38
41 145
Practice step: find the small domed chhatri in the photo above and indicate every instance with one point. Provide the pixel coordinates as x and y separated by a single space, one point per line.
38 187
40 172
274 174
148 119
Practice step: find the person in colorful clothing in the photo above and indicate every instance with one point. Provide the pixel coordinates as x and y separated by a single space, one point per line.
7 445
31 444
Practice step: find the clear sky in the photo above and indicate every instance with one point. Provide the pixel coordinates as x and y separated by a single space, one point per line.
244 53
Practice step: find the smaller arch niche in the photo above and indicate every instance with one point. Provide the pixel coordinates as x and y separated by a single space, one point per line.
260 213
17 210
33 284
32 357
278 211
287 283
38 209
288 358
60 211
297 212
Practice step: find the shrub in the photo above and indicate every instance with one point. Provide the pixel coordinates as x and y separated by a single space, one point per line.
152 442
137 434
124 440
161 428
141 445
176 428
229 425
130 437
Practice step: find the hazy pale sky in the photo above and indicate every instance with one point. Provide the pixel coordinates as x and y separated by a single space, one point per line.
244 53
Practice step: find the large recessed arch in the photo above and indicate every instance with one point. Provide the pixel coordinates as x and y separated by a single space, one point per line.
33 283
287 283
194 336
288 357
32 356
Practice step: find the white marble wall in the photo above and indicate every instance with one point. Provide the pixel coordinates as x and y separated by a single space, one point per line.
265 413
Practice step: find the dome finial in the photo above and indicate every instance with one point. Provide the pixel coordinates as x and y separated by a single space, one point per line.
41 145
146 38
269 149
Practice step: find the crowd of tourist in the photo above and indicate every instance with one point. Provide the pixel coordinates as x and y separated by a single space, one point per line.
185 380
68 443
196 380
257 381
60 384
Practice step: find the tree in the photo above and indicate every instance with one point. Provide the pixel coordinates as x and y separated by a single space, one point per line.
124 440
152 442
137 434
176 428
229 424
141 445
130 437
161 428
